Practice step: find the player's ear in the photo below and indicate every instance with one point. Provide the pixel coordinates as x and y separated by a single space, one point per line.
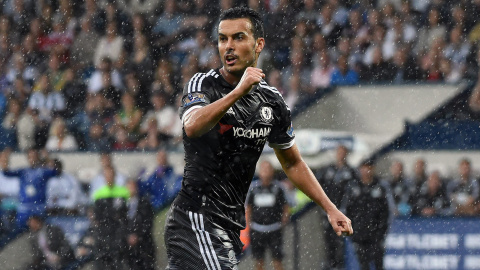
260 45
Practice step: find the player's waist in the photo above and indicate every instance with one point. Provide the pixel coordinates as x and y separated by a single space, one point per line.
265 227
229 216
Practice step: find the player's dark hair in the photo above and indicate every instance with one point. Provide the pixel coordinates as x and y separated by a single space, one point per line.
248 13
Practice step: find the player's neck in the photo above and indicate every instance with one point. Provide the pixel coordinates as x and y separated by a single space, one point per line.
231 78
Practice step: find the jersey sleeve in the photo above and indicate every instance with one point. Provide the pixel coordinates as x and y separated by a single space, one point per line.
197 93
282 135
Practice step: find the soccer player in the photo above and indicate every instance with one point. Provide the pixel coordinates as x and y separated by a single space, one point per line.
228 115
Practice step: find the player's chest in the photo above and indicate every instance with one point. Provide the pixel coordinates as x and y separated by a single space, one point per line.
251 117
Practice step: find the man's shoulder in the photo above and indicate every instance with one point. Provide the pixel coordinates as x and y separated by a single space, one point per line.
197 81
270 90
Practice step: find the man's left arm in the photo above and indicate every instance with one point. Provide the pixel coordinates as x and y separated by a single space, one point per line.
302 177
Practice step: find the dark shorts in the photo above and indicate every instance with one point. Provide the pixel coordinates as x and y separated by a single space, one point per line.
194 242
261 241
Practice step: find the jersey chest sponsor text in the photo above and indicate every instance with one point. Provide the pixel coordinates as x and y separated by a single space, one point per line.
254 133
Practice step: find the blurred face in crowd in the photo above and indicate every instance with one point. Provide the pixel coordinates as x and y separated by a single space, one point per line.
342 63
434 181
32 157
433 16
366 173
396 169
35 224
419 168
105 161
464 169
237 46
158 102
109 175
266 173
162 158
96 131
342 153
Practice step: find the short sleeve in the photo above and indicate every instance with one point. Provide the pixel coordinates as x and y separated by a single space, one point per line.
282 135
198 92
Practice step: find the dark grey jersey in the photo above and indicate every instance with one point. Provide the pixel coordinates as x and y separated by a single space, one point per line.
220 164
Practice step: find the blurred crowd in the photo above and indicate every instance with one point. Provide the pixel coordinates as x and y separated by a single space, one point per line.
120 210
107 75
371 200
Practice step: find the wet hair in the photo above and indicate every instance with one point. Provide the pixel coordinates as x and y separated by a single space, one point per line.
248 13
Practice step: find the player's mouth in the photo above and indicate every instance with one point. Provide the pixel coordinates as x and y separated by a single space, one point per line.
230 59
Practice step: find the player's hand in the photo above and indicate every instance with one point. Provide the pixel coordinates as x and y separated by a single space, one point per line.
252 76
341 224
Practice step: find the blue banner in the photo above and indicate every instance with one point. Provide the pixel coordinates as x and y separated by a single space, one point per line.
429 243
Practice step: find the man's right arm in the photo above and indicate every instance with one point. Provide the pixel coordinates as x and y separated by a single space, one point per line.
200 120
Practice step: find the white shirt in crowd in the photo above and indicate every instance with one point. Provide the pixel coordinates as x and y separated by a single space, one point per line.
65 192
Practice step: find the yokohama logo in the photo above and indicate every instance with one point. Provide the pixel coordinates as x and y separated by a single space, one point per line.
251 133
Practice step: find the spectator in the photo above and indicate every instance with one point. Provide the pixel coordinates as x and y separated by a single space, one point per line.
167 122
322 71
152 139
85 249
99 109
298 69
138 91
26 130
330 28
9 191
343 75
141 59
129 118
122 141
279 32
110 204
335 179
96 81
110 92
405 68
163 184
111 13
98 140
64 194
379 70
60 139
60 39
169 25
431 32
82 51
367 206
46 101
146 7
266 212
400 187
464 191
457 51
50 248
141 250
164 80
33 181
9 125
419 175
432 200
110 45
99 180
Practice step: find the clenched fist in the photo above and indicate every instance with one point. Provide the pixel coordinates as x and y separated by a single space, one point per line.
252 76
